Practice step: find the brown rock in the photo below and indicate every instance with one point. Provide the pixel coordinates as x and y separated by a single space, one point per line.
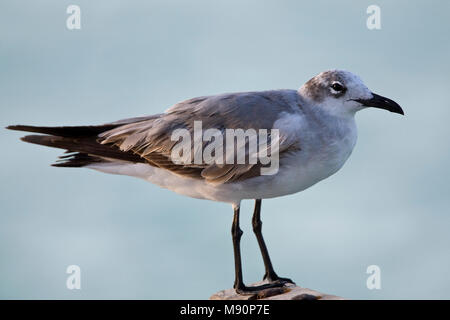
287 292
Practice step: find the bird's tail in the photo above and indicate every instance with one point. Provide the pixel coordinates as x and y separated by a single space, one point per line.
82 144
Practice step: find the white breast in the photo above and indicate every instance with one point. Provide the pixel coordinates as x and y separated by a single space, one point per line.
323 152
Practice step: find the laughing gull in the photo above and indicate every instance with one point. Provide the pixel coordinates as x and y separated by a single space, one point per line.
316 135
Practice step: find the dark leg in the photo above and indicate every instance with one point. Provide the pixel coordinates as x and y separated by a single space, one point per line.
239 285
236 233
270 274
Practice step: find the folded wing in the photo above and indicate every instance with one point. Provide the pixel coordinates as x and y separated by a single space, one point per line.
148 139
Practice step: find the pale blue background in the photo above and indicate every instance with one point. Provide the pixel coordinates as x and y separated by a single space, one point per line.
388 206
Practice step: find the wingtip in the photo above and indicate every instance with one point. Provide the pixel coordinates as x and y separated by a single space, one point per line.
26 138
19 127
36 139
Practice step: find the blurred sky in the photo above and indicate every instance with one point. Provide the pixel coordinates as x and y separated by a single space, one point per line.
388 206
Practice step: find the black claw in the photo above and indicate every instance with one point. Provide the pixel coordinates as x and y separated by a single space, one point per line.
277 279
243 289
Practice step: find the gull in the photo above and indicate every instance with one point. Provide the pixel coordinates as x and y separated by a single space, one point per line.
317 133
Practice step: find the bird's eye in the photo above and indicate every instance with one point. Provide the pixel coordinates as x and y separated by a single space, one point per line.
336 86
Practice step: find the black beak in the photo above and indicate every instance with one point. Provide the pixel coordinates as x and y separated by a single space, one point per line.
381 102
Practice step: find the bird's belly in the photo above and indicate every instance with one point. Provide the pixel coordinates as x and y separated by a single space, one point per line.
297 172
301 171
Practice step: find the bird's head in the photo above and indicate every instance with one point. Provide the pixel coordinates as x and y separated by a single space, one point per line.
343 93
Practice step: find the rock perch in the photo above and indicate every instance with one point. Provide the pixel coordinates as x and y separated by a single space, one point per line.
288 292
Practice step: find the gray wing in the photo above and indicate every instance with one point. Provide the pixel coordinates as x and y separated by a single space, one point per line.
151 139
